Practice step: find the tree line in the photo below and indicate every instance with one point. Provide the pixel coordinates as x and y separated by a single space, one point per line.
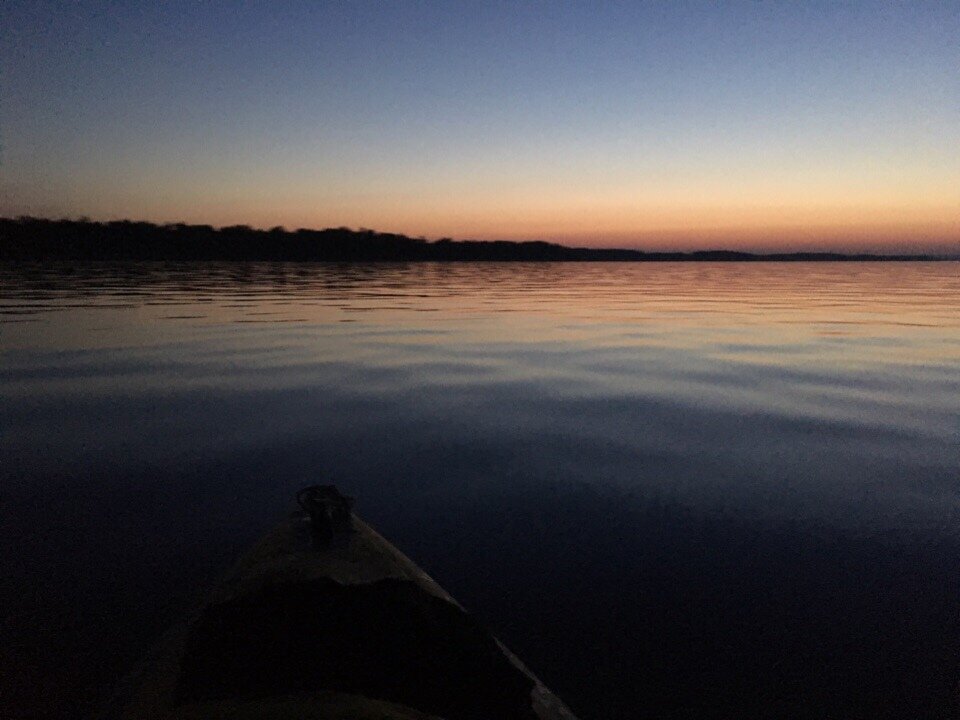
30 238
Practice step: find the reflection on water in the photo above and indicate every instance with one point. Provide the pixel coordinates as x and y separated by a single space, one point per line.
706 490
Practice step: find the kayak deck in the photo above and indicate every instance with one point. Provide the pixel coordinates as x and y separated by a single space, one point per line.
351 630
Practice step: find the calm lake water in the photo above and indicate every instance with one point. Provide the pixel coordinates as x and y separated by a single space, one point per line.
688 490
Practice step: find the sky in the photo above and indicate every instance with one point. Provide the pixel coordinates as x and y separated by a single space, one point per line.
765 126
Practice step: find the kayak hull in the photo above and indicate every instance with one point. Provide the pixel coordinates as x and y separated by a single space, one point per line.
351 630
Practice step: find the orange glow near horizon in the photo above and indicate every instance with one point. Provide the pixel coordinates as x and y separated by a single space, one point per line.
914 210
862 227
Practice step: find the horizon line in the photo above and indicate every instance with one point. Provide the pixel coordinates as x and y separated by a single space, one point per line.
598 250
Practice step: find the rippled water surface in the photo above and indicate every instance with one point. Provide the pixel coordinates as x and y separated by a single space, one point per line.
692 490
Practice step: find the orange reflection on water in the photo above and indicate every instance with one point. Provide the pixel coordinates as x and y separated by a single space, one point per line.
752 305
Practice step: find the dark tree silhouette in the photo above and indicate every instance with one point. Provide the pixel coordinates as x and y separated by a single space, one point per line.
29 238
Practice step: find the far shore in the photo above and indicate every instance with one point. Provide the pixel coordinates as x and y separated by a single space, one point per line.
28 238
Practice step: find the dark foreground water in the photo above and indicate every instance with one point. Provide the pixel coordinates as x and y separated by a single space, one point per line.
679 490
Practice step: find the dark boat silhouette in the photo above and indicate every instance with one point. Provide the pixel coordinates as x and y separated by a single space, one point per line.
324 618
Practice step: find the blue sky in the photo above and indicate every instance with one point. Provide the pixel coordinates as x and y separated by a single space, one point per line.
630 124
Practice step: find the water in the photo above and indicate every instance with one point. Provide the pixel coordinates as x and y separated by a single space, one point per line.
688 490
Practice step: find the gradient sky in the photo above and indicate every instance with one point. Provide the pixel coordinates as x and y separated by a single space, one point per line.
655 125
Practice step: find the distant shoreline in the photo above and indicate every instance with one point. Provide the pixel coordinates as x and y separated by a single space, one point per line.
28 238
